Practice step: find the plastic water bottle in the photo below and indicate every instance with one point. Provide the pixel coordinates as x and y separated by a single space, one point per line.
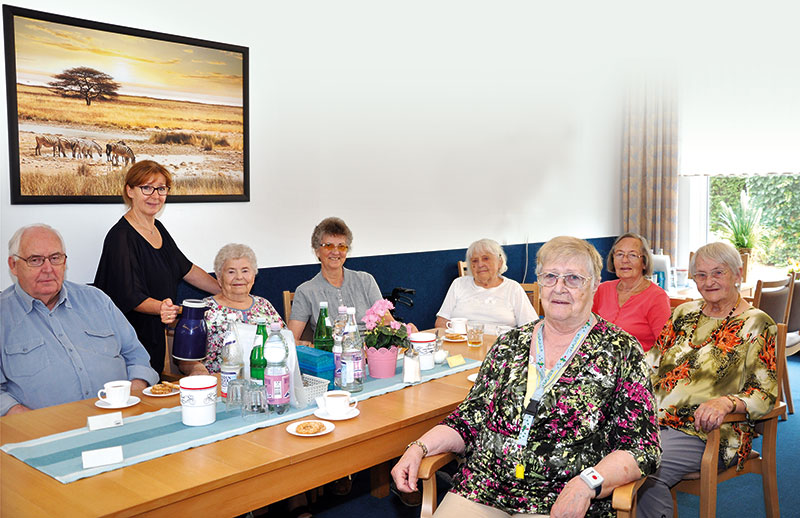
276 374
338 335
232 354
352 355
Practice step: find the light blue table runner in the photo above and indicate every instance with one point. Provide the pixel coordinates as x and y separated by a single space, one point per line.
154 434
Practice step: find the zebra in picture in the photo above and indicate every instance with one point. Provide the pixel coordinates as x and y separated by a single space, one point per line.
87 147
115 150
48 141
69 143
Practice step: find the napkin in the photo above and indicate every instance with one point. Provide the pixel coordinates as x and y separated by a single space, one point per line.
247 335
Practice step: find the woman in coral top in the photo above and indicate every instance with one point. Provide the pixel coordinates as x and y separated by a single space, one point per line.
632 302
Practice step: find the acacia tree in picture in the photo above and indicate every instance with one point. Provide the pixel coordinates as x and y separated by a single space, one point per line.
85 83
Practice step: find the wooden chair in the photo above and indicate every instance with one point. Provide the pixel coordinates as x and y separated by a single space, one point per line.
674 302
704 483
288 297
623 499
171 371
777 303
463 269
793 325
532 290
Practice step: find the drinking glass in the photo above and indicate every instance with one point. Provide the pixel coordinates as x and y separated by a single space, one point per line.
474 334
254 404
236 390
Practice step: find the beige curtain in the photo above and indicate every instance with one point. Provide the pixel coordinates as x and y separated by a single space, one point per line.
650 166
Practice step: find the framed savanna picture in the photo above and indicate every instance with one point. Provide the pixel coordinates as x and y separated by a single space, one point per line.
87 100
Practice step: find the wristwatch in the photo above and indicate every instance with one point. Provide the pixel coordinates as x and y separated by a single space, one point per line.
593 479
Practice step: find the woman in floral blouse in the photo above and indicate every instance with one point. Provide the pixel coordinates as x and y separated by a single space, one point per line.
595 413
236 268
715 356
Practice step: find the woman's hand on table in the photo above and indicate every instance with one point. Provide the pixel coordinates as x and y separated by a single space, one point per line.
573 501
710 414
169 311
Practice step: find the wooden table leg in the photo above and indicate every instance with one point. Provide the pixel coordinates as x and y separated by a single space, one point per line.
379 479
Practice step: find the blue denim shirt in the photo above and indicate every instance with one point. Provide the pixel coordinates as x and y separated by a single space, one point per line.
67 354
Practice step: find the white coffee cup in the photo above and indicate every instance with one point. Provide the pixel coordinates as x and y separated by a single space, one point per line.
337 403
115 393
457 325
198 400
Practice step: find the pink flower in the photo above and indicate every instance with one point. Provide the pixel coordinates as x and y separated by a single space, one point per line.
394 324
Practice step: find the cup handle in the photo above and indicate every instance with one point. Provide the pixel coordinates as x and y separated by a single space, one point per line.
103 392
449 325
355 403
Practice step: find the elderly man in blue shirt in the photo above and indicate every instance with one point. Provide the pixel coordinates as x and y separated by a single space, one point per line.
59 341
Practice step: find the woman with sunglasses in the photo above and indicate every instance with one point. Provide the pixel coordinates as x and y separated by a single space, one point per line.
632 302
141 266
561 413
335 284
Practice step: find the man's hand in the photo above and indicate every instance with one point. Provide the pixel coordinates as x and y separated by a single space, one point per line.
138 384
17 409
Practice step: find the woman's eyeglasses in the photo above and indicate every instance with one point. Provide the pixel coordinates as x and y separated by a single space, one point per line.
715 274
632 256
148 190
330 247
36 261
571 280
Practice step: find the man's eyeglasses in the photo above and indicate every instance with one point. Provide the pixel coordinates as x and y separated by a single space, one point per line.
571 280
148 190
632 256
36 261
330 247
715 274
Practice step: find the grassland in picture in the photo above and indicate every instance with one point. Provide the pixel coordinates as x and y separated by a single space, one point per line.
202 145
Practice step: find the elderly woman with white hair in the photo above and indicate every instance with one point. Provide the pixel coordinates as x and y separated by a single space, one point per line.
486 295
235 267
714 357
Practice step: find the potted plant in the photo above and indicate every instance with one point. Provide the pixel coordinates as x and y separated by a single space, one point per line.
384 337
742 224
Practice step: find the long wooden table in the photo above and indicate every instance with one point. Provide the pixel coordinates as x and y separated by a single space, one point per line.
229 477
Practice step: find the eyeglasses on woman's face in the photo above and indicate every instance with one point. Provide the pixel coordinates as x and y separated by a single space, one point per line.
148 190
35 261
330 247
631 256
571 280
716 274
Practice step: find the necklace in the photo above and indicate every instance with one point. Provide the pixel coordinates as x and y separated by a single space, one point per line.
713 335
630 291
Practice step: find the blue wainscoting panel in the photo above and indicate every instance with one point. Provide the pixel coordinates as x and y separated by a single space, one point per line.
429 273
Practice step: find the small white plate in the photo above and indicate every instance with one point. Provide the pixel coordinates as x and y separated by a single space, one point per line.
323 414
472 377
292 429
148 392
462 339
133 400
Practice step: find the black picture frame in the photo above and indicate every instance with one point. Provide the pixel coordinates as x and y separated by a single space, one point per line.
202 138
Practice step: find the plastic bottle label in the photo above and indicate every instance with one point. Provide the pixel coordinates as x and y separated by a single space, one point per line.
225 376
277 387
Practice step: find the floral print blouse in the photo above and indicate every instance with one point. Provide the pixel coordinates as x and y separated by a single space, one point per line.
215 319
736 358
603 402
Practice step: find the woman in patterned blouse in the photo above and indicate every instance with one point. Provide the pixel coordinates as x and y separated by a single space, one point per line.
715 356
235 267
564 395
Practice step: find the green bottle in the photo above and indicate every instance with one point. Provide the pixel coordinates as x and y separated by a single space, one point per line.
323 334
257 361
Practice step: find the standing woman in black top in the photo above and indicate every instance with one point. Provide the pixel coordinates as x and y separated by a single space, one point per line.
141 266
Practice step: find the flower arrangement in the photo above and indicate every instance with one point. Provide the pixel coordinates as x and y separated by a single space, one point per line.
794 266
383 333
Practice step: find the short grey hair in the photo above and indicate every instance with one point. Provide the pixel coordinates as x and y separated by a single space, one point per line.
647 255
488 246
16 240
565 248
718 252
234 251
332 226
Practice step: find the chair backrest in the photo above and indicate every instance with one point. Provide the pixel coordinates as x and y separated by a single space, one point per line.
532 290
780 360
674 302
288 297
463 269
745 261
775 298
171 371
794 313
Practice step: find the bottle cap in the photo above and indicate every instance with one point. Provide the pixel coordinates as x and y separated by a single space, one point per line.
323 303
275 326
343 309
351 311
261 320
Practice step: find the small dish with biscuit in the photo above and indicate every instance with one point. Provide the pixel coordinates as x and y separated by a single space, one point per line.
310 428
163 389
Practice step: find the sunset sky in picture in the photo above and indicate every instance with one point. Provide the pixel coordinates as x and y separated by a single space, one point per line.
142 66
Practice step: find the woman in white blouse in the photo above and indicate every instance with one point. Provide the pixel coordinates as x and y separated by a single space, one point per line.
485 295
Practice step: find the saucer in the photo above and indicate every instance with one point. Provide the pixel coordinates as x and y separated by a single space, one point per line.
323 414
133 400
292 429
462 338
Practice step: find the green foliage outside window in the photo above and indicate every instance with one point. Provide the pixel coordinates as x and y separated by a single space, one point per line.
778 197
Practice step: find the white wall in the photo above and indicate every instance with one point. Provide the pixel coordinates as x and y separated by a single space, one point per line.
424 124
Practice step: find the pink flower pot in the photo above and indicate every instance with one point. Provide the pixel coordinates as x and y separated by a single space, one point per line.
382 362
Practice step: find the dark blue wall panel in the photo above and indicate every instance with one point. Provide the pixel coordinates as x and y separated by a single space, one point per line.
429 273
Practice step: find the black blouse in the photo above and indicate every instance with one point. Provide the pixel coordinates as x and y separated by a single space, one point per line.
131 270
